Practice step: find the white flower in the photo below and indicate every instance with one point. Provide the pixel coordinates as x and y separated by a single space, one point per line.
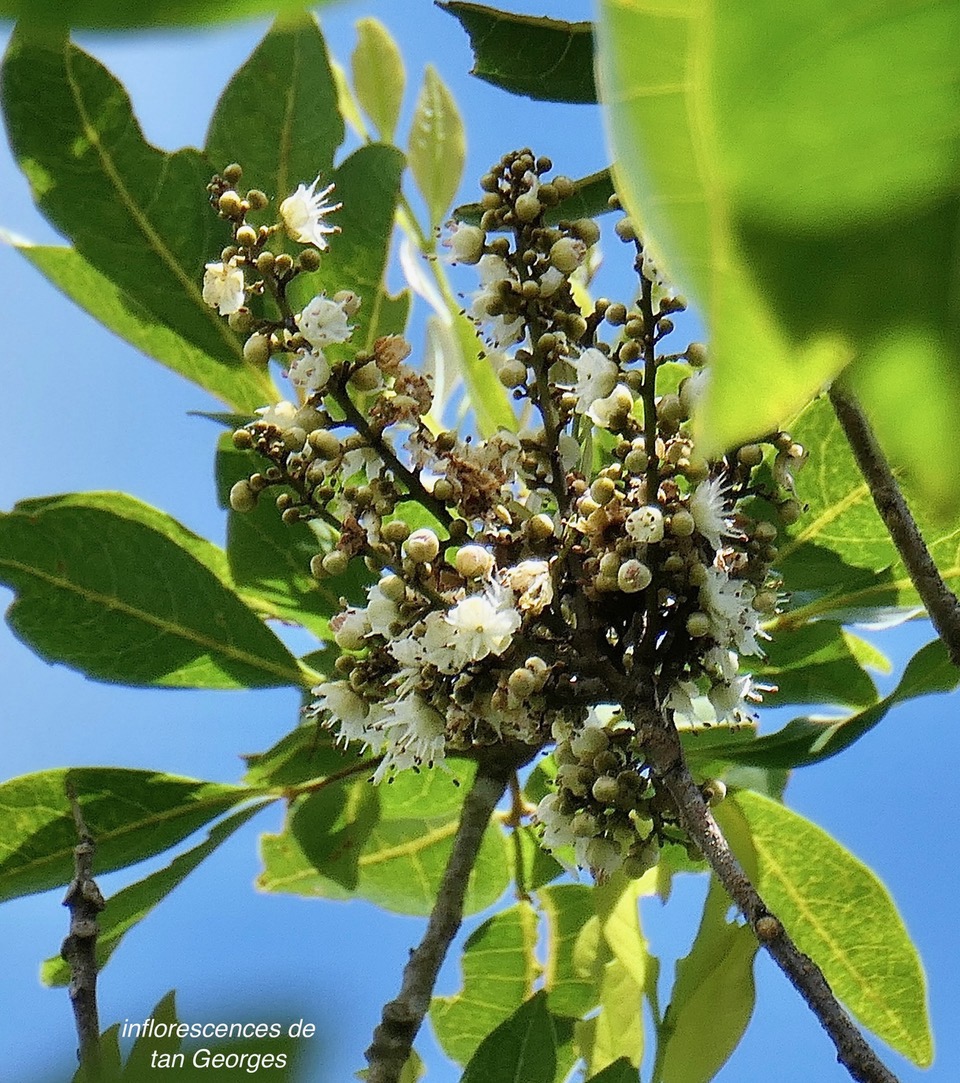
530 581
708 506
600 855
693 389
485 624
615 407
645 525
348 711
501 331
323 322
729 697
303 213
413 733
309 372
223 287
556 826
438 648
282 415
465 243
596 378
550 281
381 612
729 605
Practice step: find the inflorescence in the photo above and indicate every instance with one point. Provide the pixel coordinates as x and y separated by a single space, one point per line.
528 579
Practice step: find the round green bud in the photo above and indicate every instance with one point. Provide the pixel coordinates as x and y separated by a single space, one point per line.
265 262
309 259
767 928
243 439
242 497
633 576
670 409
527 207
539 527
587 230
232 173
522 684
584 825
564 186
765 531
567 254
395 532
625 231
422 546
283 264
605 790
473 561
698 625
750 455
765 601
392 587
324 443
603 490
682 523
290 516
616 314
790 511
714 791
512 373
258 200
256 350
230 204
548 194
246 236
335 562
241 321
696 354
443 489
367 377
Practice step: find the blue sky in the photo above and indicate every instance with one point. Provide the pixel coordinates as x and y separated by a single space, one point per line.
86 412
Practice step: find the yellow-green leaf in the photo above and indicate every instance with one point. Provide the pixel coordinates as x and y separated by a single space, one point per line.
437 146
378 76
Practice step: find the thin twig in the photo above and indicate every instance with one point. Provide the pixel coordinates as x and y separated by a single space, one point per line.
79 949
665 755
401 1019
940 603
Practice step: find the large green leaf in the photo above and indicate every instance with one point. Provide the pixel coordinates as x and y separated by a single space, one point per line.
138 215
130 814
755 153
712 997
839 558
499 967
306 754
808 740
540 58
437 146
242 387
621 1071
124 593
523 1047
288 87
106 14
575 953
388 844
270 559
132 904
840 914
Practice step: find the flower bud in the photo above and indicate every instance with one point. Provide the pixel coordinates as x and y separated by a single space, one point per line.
586 230
473 561
567 254
256 350
605 790
698 624
633 576
335 562
422 546
527 207
230 204
258 200
242 497
324 443
246 236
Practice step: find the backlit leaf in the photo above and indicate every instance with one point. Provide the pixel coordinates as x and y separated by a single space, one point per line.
437 146
523 1047
378 76
106 14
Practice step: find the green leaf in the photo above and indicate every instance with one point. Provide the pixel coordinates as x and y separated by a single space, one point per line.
368 183
388 844
123 593
288 87
105 14
754 154
839 559
130 814
306 754
138 215
132 904
414 1070
523 1049
545 59
499 967
270 559
840 914
243 387
712 998
437 146
808 740
575 952
815 664
378 76
621 1071
617 1031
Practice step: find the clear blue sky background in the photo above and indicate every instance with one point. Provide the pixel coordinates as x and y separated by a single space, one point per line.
86 412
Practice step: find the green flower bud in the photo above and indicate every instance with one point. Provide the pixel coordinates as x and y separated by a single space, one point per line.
242 497
422 546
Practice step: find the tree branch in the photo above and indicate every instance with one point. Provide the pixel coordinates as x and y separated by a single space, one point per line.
940 603
401 1019
79 949
665 755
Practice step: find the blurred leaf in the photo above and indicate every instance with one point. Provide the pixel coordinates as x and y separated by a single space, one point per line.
499 967
616 1032
243 387
138 215
754 154
840 914
303 755
278 115
575 953
378 76
130 814
839 559
809 740
414 1070
122 592
814 664
712 998
270 559
388 844
437 146
539 867
545 59
368 183
132 904
523 1047
105 14
621 1071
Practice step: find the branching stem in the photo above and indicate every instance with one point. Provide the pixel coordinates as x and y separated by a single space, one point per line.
401 1018
940 603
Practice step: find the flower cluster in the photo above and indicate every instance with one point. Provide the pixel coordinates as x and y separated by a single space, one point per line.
525 585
